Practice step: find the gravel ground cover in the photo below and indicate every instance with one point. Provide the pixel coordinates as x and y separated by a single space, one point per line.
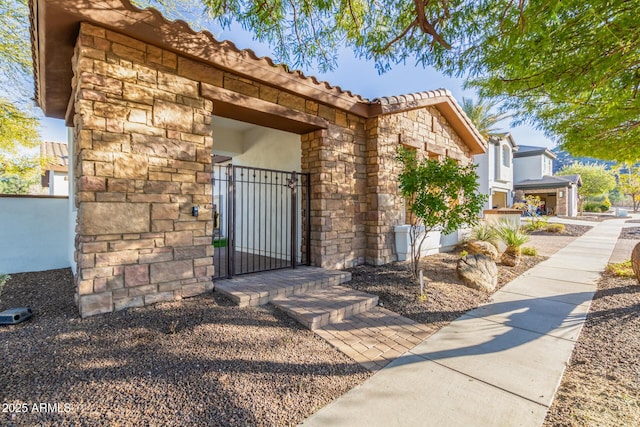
199 361
601 385
447 298
631 233
569 230
596 217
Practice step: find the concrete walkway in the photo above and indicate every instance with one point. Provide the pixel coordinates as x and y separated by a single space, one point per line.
498 365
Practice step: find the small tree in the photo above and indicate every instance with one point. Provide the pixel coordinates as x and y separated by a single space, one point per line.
596 180
629 183
440 195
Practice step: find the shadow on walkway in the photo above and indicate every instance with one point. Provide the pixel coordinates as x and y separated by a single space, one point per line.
527 321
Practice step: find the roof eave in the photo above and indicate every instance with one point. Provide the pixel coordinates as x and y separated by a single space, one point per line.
55 29
465 130
541 186
450 110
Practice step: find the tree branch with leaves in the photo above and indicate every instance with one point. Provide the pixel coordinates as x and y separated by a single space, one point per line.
441 195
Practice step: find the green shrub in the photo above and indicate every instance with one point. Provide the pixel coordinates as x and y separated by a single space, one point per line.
591 207
485 233
621 269
463 254
511 234
537 223
555 228
529 251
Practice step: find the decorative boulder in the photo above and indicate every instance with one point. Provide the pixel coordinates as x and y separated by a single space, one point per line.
478 272
483 248
511 257
635 261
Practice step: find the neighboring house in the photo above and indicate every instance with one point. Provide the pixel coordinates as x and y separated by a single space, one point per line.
55 176
495 171
312 174
558 194
532 163
533 175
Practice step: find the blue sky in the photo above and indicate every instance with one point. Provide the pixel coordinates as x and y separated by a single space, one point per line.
360 77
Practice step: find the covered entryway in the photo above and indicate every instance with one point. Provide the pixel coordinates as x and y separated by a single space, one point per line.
260 215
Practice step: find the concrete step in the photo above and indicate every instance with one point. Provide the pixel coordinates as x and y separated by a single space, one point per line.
251 290
317 308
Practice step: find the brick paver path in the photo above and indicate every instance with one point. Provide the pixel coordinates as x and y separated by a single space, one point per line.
376 337
549 245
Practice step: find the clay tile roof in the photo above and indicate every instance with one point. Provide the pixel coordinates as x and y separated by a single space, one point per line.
57 153
54 26
412 97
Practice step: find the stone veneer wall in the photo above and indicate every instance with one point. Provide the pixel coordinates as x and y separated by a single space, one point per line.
427 131
143 141
336 159
143 160
562 203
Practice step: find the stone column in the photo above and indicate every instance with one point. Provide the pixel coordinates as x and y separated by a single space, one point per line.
142 162
335 158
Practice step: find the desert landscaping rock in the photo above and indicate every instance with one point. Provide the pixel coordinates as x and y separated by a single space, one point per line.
483 248
510 259
601 385
446 296
569 230
635 261
632 233
195 362
201 361
478 272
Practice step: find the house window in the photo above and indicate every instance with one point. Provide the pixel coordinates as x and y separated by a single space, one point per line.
506 154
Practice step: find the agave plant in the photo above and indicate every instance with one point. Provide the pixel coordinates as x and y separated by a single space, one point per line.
485 233
514 238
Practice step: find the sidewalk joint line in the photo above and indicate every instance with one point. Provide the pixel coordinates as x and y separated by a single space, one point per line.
487 383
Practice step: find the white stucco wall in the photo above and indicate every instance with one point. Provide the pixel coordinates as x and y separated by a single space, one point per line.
59 185
493 176
259 147
572 201
532 167
270 149
72 210
34 235
482 168
529 167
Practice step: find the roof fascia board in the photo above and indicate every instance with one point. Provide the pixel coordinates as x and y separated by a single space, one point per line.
531 153
541 186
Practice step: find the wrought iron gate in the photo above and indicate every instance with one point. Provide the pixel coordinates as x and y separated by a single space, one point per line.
261 219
